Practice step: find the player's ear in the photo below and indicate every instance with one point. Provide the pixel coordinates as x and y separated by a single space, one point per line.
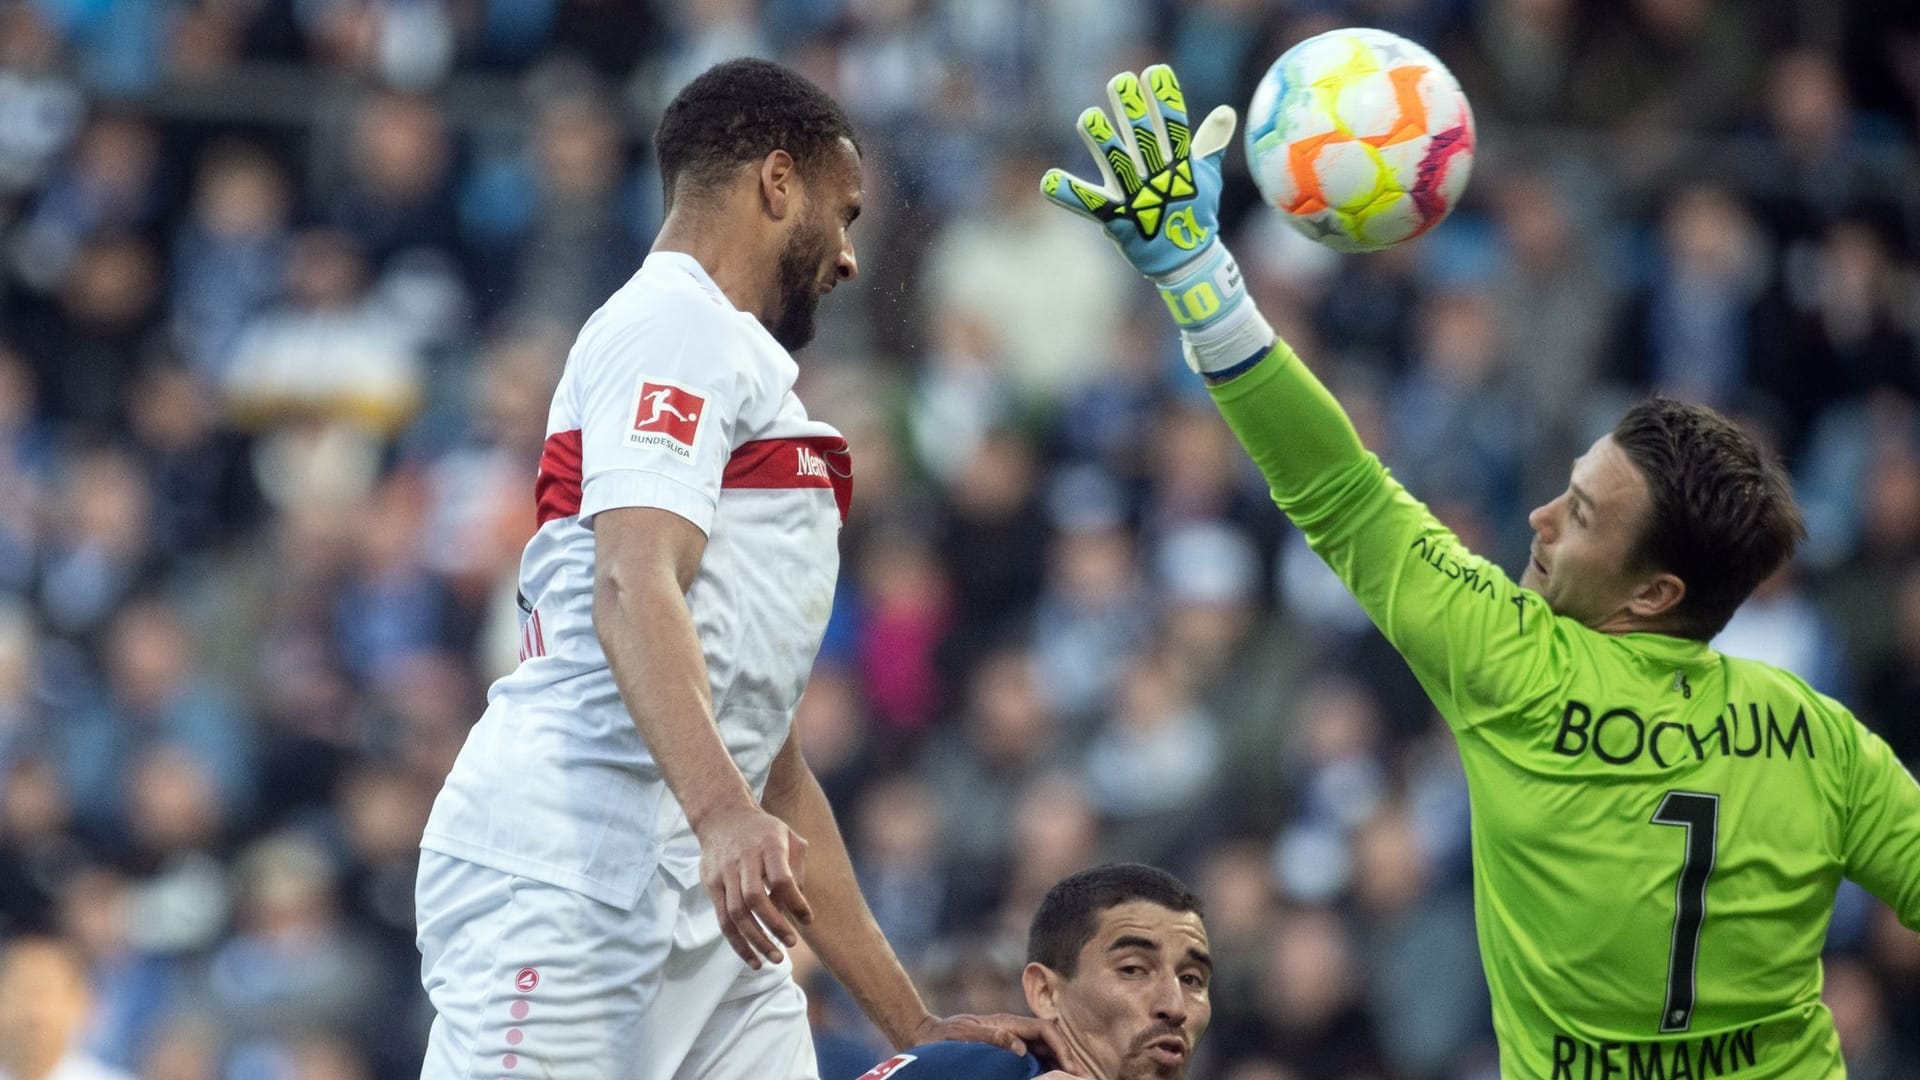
1042 986
779 184
1657 596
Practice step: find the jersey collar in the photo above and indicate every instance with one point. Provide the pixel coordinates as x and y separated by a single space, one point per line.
1668 647
687 264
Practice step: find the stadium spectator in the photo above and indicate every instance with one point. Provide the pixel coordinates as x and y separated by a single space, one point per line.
1004 738
995 263
990 528
88 337
1095 612
43 994
228 253
155 696
109 185
41 99
397 195
97 547
1689 330
330 351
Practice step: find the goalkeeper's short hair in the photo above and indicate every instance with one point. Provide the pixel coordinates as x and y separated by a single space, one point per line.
1065 922
1722 516
739 111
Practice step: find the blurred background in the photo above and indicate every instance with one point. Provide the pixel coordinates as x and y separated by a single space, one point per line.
285 286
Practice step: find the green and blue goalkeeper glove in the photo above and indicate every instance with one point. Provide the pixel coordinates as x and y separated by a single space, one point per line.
1159 201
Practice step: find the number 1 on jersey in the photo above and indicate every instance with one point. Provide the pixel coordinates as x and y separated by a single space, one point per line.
1699 814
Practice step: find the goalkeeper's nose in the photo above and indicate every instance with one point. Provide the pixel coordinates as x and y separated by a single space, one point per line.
846 265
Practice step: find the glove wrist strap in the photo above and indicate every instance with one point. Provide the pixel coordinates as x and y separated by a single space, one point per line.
1203 290
1221 331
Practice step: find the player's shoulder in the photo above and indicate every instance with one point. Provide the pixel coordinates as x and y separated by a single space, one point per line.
671 320
956 1061
1758 677
671 291
1771 690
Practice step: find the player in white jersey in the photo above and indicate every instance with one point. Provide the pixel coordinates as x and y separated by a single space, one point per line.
630 835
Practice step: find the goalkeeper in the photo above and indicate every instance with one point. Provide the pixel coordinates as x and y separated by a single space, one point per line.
1658 830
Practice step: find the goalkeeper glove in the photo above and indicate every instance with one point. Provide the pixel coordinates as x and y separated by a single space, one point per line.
1159 201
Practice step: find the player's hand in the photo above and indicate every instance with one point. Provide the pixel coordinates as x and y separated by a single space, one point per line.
1020 1034
754 866
1159 201
1159 195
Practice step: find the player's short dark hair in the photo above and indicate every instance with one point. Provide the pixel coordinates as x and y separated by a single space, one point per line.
1723 516
739 111
1064 924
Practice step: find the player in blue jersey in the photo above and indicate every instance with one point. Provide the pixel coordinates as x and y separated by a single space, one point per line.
1117 962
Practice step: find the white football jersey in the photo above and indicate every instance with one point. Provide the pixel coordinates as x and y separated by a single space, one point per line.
671 398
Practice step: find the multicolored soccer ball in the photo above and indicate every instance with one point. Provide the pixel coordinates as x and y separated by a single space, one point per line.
1361 138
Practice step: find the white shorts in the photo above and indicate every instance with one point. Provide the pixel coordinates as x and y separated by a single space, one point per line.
531 980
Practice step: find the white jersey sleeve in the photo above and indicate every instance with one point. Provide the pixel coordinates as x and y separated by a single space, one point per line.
661 390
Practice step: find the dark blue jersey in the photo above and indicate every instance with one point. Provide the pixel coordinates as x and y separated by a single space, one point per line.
956 1061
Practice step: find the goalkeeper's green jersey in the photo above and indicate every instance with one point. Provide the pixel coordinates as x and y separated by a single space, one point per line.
1658 830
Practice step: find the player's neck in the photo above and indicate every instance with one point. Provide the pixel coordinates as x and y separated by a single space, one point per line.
732 256
1621 622
1625 621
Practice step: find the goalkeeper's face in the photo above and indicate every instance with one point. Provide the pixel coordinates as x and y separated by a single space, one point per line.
1582 561
819 250
1137 1000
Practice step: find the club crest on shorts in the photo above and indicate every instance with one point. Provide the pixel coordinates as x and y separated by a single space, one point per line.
527 980
667 416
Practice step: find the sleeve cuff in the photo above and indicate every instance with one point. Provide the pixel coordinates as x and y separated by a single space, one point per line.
1263 368
1235 341
617 488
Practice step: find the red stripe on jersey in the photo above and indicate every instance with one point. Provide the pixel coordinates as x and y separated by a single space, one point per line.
822 461
556 490
817 462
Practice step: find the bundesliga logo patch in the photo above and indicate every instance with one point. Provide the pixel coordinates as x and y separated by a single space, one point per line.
666 416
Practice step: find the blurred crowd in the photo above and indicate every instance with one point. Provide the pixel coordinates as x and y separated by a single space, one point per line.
285 285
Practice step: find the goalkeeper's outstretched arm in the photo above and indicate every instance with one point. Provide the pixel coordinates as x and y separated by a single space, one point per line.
1469 633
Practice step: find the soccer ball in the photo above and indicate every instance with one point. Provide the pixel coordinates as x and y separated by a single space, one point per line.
1361 138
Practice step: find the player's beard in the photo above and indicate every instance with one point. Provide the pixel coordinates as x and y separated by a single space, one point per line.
799 281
